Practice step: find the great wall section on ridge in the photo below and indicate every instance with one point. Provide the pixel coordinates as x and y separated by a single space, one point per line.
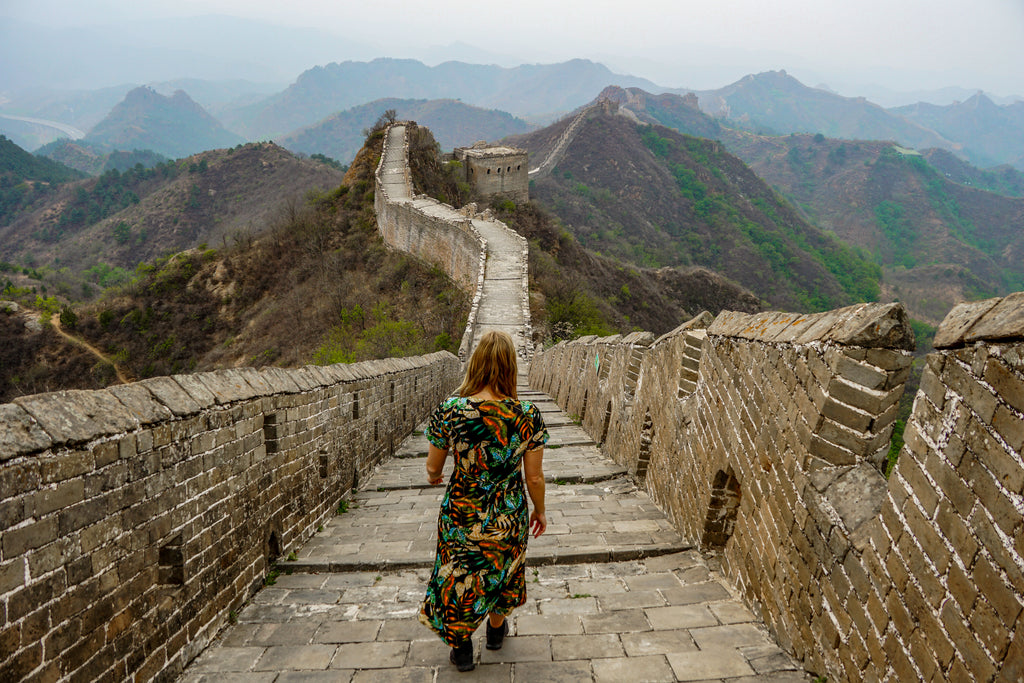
138 519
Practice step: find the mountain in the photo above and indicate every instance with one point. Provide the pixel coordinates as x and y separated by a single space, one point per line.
670 110
775 102
990 134
534 92
453 124
94 160
940 242
174 126
27 179
121 219
1005 179
652 196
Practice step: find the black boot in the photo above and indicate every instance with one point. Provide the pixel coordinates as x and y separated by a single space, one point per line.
462 656
496 636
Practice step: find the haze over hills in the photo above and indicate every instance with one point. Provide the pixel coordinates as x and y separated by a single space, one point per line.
453 123
533 92
775 102
991 134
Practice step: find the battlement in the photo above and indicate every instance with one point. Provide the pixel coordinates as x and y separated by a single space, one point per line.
762 437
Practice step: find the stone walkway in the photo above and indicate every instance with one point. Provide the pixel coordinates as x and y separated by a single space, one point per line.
614 593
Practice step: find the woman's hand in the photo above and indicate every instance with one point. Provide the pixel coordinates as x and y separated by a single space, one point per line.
538 523
435 464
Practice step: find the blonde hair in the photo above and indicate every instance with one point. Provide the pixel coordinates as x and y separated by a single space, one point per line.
493 364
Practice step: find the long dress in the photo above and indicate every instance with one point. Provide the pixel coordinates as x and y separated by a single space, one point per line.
483 525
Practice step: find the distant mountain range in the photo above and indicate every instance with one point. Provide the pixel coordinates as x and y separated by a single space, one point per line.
453 123
536 93
990 134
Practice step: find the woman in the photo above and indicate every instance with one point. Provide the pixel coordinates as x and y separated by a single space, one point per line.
482 528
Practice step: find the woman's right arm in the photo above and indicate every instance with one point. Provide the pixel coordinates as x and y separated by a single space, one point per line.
533 472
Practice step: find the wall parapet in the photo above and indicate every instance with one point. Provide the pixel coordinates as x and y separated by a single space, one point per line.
135 518
761 437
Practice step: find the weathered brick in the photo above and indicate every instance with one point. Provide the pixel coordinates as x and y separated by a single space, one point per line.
974 656
1007 384
35 535
861 374
979 398
1010 428
985 622
1001 596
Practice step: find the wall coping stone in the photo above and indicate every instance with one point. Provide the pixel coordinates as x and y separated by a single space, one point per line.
280 379
871 325
77 416
196 390
227 387
172 395
1005 321
996 319
20 433
142 403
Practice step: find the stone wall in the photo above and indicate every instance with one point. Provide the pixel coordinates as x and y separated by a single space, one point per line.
761 436
134 519
429 229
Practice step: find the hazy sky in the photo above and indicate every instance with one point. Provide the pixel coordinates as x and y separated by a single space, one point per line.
903 44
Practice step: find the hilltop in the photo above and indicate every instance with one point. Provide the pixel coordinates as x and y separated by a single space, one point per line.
453 123
121 219
654 197
173 126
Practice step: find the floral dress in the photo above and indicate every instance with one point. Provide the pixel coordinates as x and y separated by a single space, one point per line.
483 525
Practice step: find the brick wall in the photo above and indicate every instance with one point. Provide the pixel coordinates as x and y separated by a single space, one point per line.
762 436
134 519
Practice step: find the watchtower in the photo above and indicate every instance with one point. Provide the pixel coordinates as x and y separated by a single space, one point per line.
496 170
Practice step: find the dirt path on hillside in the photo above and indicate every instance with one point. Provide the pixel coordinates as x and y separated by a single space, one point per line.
78 341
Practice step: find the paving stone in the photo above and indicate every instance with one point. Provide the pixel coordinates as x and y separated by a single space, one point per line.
708 664
548 624
586 647
405 675
551 672
519 649
338 676
657 642
695 592
484 673
733 635
295 657
652 668
618 621
370 655
347 632
223 659
680 616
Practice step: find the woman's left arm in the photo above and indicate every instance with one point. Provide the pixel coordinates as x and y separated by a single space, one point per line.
435 464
